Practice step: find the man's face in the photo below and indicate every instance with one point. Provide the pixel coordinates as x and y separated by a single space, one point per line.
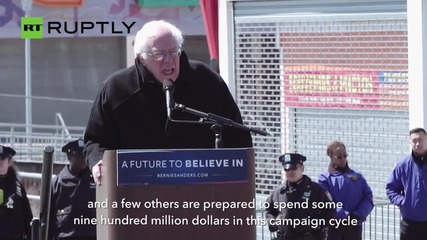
418 142
163 56
294 174
76 159
339 156
5 162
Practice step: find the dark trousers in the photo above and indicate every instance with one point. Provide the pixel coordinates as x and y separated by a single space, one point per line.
317 235
412 230
78 238
345 233
306 238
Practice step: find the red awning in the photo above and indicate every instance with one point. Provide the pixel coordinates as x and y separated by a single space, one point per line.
210 18
59 3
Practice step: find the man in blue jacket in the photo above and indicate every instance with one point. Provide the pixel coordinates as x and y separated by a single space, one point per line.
407 188
348 187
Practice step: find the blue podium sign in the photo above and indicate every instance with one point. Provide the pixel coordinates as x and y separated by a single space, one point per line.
182 166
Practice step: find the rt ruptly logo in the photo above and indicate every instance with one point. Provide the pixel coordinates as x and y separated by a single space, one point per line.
32 27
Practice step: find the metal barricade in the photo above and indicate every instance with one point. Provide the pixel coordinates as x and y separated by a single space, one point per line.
383 223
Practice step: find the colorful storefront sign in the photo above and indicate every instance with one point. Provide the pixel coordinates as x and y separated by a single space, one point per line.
323 87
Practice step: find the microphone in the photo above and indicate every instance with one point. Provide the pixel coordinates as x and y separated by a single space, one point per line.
170 103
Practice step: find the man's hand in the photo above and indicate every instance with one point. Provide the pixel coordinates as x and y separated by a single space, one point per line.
354 216
273 228
96 173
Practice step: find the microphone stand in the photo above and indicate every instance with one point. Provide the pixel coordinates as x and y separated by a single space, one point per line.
218 123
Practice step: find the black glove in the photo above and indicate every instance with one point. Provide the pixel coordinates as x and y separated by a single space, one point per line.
323 233
354 216
273 228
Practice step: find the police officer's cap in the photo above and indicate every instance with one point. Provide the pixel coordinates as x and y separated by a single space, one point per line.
6 151
291 160
74 146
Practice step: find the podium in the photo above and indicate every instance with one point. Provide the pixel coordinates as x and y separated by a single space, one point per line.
180 194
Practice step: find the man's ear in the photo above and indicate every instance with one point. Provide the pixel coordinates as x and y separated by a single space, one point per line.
142 61
139 59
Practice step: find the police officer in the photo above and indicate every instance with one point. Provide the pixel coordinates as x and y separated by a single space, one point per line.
407 187
72 189
348 187
293 212
15 210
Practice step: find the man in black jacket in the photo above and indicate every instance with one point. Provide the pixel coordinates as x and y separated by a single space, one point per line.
72 190
15 209
129 111
293 211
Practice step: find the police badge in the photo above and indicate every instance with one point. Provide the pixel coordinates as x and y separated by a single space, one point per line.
353 177
9 203
306 195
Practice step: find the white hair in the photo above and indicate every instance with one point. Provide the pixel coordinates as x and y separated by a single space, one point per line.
150 30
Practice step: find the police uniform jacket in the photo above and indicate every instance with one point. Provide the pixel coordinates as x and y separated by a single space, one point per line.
305 189
407 187
350 188
15 211
129 112
69 200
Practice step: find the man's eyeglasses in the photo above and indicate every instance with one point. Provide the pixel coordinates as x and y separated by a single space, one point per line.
161 55
341 157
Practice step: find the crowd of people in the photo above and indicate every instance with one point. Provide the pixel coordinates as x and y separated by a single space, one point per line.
75 186
406 188
130 112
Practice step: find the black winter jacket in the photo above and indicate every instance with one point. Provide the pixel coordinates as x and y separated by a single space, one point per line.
15 210
129 112
305 191
70 199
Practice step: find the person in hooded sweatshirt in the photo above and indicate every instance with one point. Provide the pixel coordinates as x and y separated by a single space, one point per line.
407 187
72 190
348 187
